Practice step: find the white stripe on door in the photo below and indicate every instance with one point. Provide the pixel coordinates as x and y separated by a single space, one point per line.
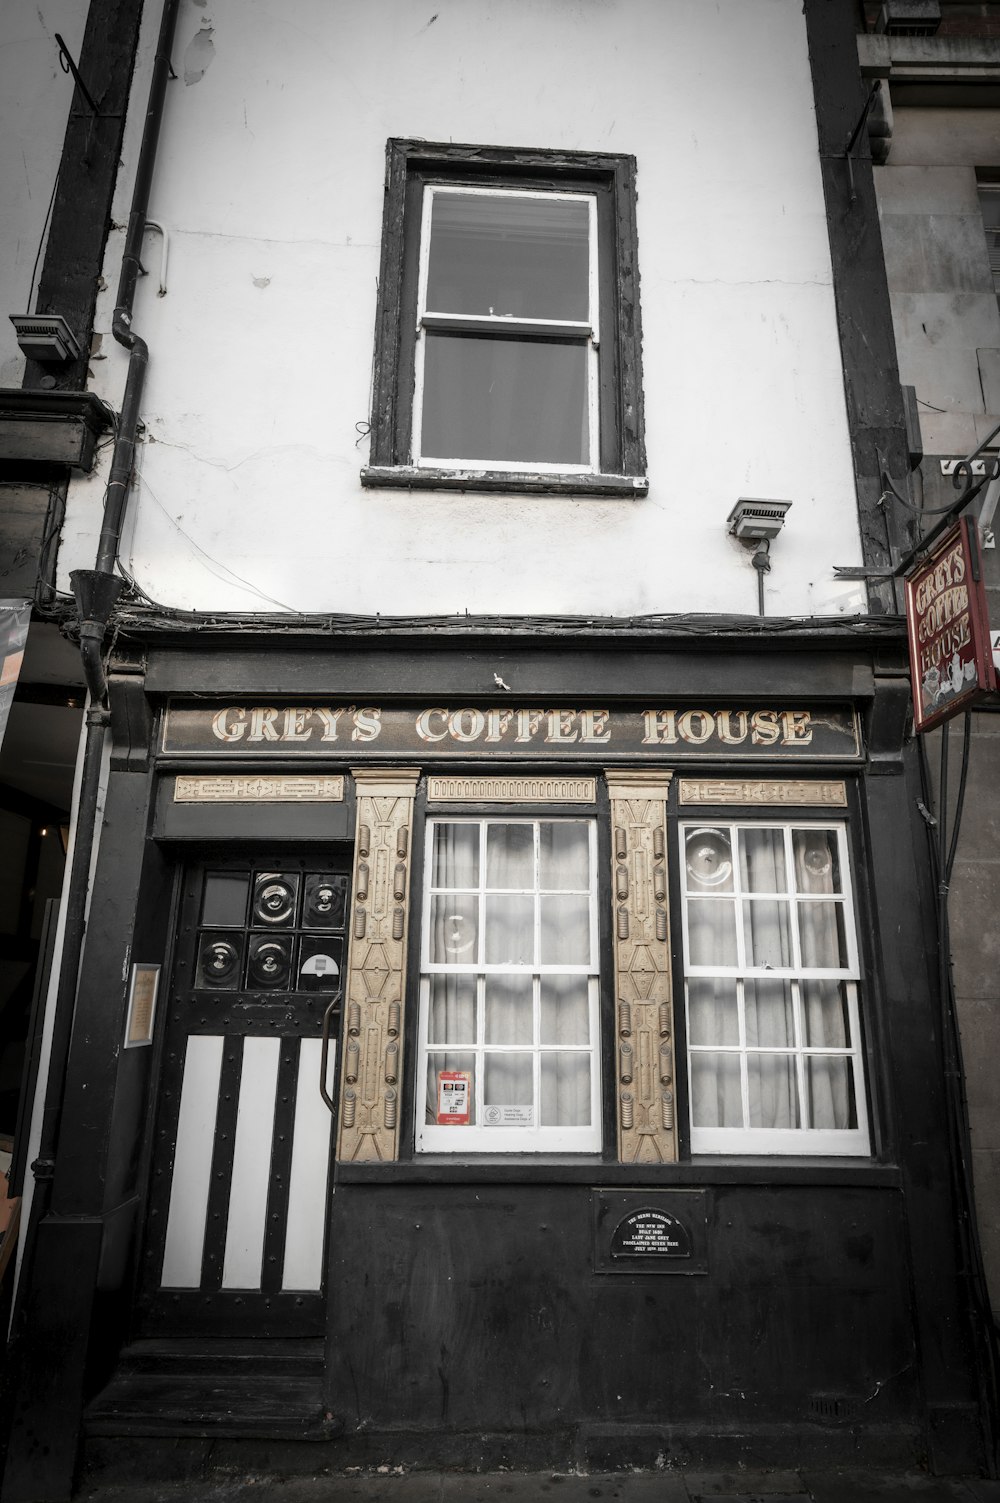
185 1239
251 1165
303 1267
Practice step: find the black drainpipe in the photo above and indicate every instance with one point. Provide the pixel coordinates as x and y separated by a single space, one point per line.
96 591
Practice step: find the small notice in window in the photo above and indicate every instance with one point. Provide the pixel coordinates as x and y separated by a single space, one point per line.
508 1116
454 1098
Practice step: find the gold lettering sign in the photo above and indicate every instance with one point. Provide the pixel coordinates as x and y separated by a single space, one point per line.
761 791
652 732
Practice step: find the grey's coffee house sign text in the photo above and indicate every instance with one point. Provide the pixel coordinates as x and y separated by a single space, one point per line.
758 732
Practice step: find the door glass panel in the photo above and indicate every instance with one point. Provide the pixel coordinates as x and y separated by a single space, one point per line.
320 962
325 902
274 898
270 961
220 961
225 899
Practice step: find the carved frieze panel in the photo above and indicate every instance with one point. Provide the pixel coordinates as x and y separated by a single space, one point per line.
644 1054
376 970
767 791
520 790
257 789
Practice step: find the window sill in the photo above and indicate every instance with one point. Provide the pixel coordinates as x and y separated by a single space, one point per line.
412 477
548 1169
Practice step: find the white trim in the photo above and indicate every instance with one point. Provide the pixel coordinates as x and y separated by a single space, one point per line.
799 1140
478 1137
573 332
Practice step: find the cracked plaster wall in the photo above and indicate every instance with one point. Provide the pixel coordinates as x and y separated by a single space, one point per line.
270 184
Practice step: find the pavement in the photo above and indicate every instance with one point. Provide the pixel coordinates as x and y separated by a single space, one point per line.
398 1485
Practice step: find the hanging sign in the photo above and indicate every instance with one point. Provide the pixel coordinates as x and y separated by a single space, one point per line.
752 732
951 664
14 618
454 1093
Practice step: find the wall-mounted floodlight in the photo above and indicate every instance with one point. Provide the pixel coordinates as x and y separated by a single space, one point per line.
756 522
45 336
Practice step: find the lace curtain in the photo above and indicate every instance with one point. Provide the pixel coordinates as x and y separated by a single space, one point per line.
516 896
762 902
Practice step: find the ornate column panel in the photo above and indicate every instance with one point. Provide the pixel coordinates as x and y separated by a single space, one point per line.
644 1040
374 993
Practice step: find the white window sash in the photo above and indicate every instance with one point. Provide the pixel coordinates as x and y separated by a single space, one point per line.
433 320
431 1137
827 1141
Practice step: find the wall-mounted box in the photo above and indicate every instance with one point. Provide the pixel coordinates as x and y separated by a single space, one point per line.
51 427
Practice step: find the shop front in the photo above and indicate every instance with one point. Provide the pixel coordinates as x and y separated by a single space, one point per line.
529 1053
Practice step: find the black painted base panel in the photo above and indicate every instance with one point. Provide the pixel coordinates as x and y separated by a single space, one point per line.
122 1458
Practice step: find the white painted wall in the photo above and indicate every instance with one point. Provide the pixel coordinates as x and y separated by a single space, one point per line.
270 183
35 100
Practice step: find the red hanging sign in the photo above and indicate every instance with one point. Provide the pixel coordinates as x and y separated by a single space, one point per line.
951 664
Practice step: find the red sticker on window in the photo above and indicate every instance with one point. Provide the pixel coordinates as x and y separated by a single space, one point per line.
454 1098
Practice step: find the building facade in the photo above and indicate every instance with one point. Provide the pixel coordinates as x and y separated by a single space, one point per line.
507 1023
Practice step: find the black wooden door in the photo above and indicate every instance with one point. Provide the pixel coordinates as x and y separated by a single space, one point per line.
237 1215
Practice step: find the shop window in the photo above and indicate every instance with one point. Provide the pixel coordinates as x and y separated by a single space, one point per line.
771 980
509 1041
508 342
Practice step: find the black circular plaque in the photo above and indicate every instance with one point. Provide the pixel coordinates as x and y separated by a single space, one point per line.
647 1233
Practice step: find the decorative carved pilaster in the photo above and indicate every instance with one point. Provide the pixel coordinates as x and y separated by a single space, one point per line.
644 1056
372 1046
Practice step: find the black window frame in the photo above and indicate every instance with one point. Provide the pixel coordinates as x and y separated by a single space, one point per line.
410 165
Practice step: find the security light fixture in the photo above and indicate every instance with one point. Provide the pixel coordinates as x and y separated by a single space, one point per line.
45 337
752 520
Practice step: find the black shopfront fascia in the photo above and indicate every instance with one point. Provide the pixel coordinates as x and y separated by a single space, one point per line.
849 1229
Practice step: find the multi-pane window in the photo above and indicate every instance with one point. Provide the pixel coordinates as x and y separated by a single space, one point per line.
771 967
509 1045
506 360
508 341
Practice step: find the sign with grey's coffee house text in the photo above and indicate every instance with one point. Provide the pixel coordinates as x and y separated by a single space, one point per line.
754 732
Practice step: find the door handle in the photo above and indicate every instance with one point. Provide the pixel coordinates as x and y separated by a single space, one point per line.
325 1050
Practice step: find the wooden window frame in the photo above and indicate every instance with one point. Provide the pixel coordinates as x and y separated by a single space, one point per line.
410 167
794 1141
479 1138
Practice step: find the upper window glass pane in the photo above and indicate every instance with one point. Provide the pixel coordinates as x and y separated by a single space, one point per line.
510 256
